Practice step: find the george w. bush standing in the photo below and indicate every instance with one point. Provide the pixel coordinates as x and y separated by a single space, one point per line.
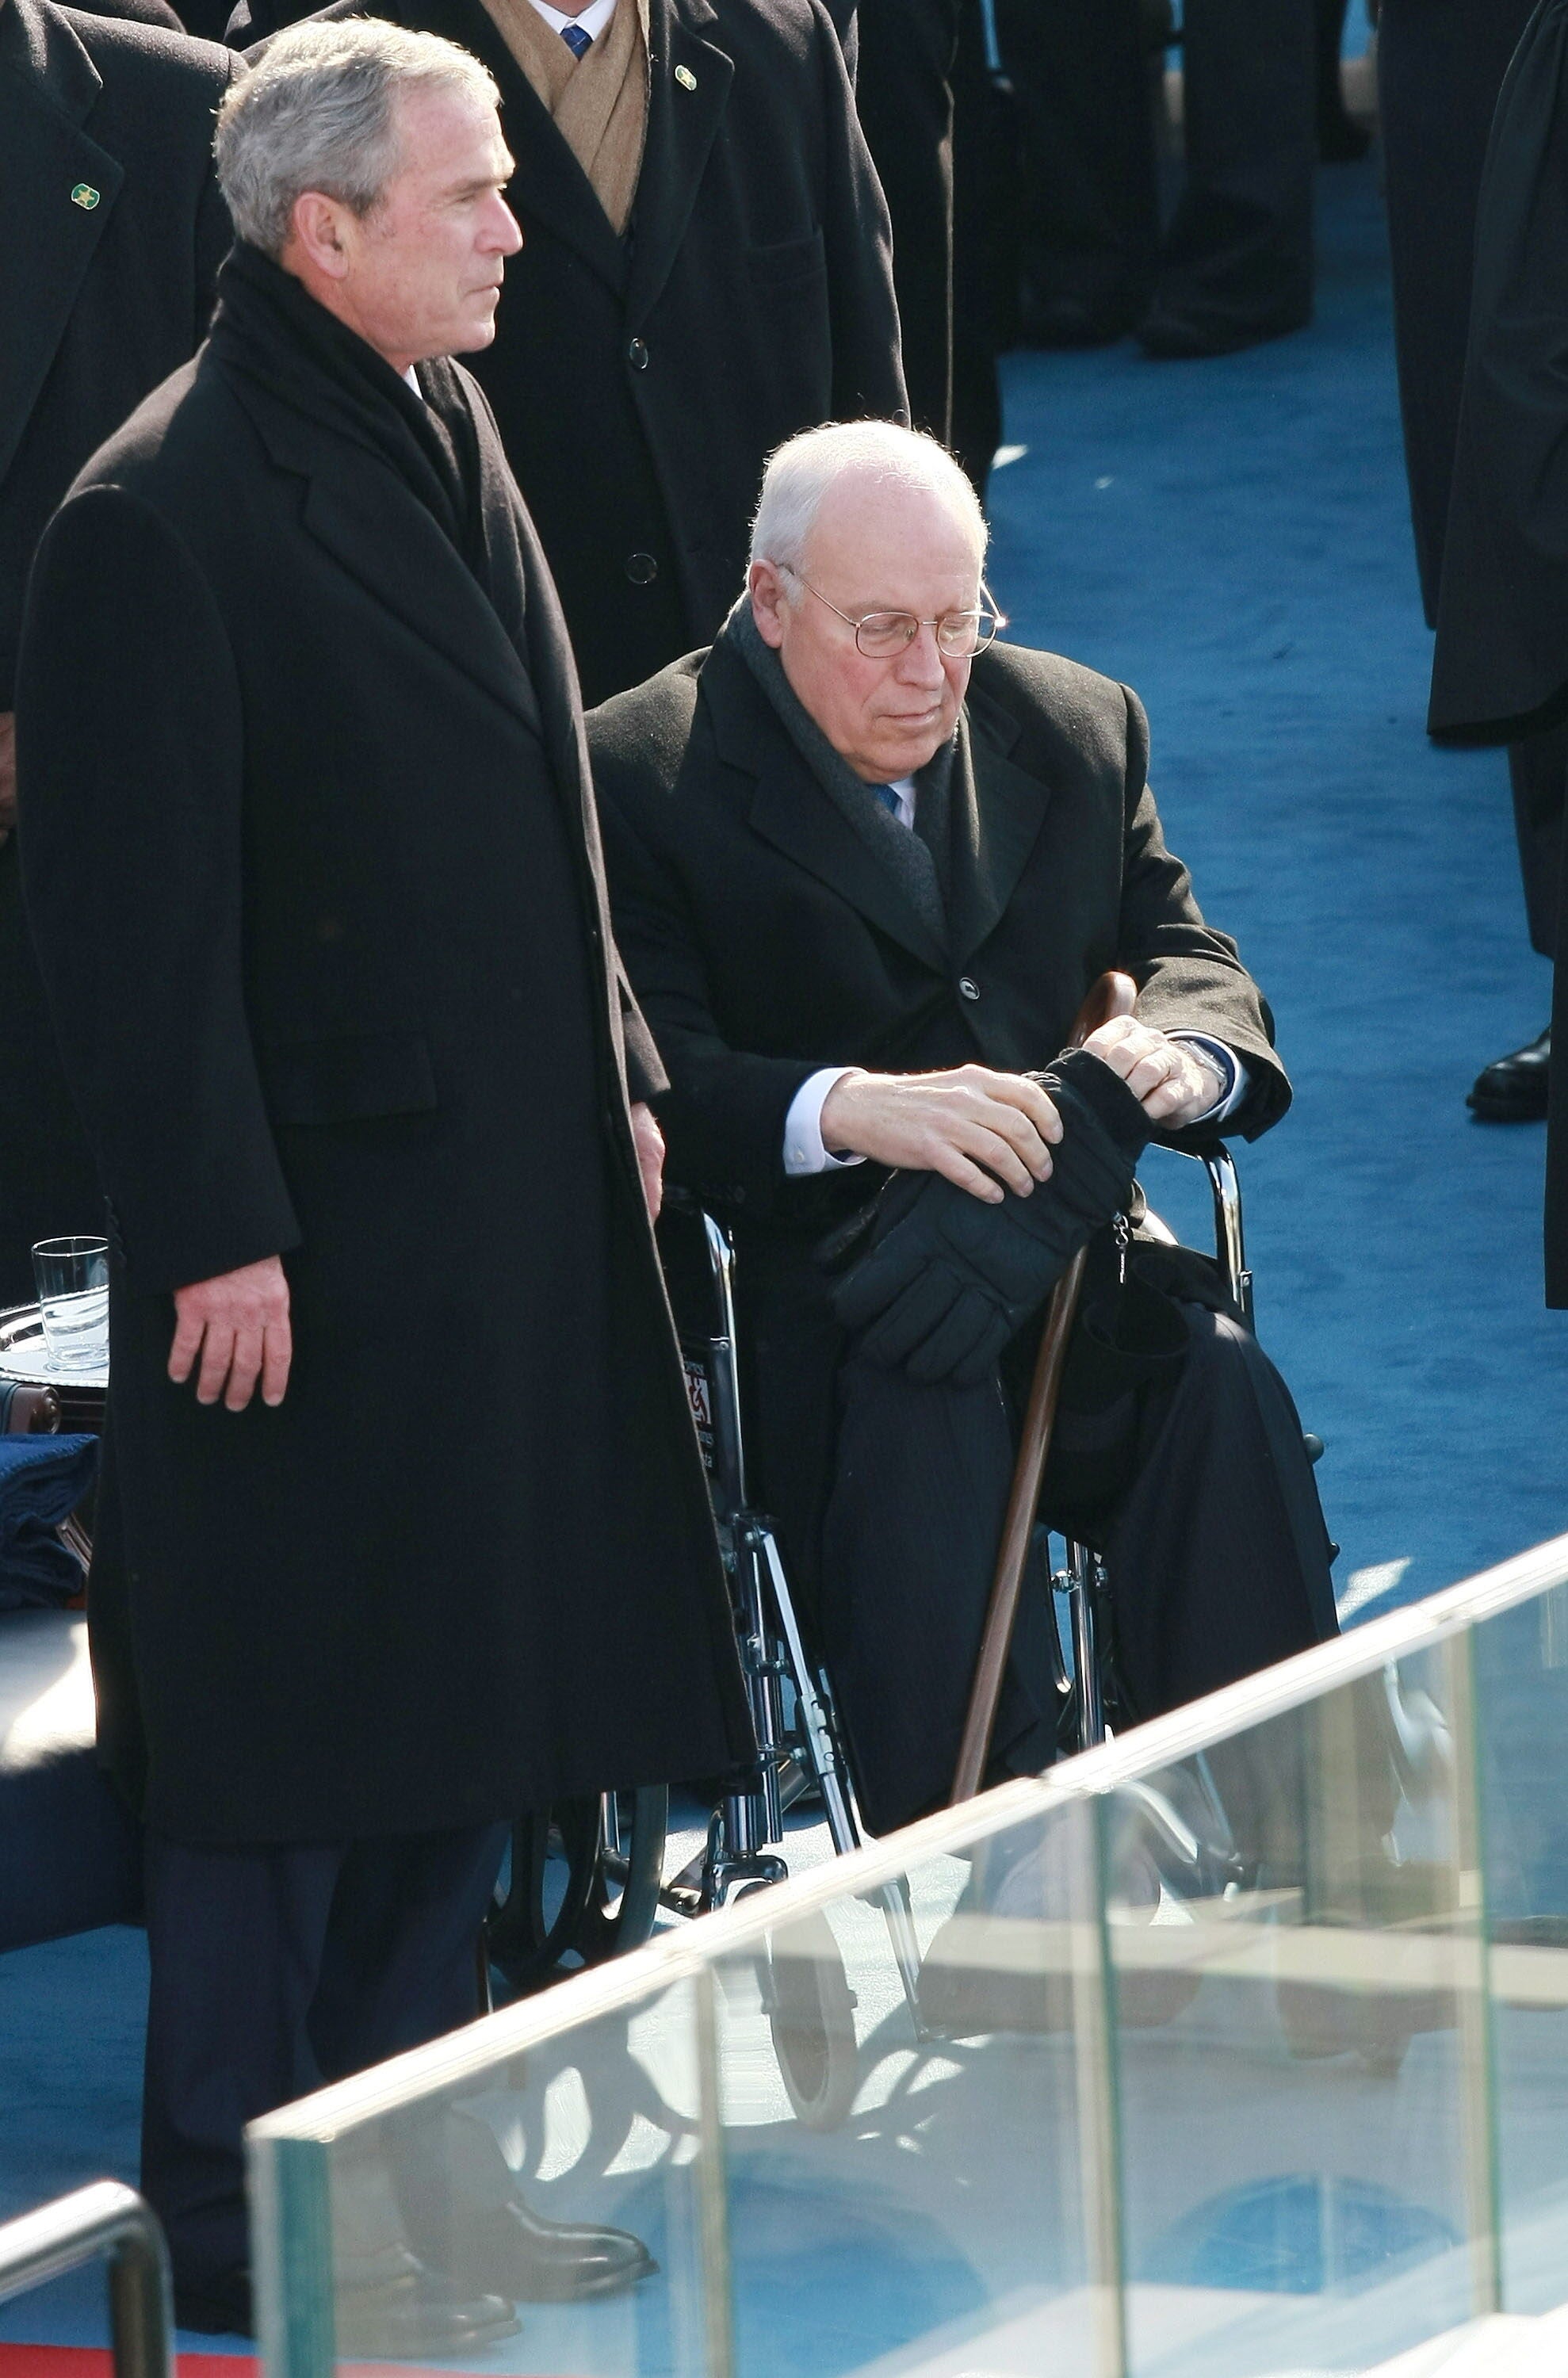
407 1530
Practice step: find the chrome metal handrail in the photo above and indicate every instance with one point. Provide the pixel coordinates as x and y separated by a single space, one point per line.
113 2221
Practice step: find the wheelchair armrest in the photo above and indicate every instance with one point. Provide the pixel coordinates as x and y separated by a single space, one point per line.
1230 1242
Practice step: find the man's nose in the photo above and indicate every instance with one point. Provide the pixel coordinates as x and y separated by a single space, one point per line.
502 234
921 660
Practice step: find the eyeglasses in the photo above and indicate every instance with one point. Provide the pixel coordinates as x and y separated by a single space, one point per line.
883 635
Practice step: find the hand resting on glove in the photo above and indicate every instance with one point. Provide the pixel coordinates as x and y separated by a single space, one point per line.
948 1279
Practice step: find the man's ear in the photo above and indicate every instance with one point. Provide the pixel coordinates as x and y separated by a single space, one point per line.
769 602
318 234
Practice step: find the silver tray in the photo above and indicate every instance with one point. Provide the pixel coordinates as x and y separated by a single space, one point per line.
24 1356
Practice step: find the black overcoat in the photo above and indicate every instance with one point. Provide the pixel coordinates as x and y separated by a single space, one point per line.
1500 670
766 941
98 303
640 382
312 858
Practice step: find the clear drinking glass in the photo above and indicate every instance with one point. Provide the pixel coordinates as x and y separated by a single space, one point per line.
73 1295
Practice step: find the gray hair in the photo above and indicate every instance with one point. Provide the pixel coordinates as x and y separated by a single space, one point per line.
802 472
319 112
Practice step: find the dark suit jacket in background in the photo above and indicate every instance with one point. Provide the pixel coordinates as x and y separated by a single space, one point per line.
766 940
97 305
312 865
641 382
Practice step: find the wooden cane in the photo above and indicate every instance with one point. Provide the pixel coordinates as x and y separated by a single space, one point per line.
1112 995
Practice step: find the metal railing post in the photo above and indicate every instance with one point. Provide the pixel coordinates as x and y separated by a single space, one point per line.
111 2221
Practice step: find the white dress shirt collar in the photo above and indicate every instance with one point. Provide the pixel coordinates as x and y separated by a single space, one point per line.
592 19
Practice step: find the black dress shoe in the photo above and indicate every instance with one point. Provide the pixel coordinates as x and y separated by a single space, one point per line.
536 2261
1514 1088
1172 338
1066 322
469 2216
392 2308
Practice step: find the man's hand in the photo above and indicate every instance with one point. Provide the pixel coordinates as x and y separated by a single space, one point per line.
238 1325
967 1124
7 773
1171 1081
649 1142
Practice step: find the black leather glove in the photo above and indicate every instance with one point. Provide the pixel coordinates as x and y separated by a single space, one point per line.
948 1278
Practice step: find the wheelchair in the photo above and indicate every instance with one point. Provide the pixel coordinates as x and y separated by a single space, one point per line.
586 1880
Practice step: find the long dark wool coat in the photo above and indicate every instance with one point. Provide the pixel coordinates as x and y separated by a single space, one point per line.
111 231
310 853
640 382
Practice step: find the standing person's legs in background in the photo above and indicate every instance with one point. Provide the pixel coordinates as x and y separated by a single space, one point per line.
1088 199
1514 1088
1237 263
1441 64
985 244
904 94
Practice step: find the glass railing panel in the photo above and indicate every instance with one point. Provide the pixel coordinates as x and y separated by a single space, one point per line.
1520 1666
905 2104
1292 1922
603 2123
1182 2061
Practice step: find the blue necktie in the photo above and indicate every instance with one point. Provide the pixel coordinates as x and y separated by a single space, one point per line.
576 41
888 799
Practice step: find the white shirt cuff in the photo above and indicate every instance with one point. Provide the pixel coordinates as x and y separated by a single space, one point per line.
804 1150
1231 1071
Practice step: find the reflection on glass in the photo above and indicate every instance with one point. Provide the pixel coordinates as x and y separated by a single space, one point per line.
1238 2050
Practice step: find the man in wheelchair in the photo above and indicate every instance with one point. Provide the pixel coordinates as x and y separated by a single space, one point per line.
865 863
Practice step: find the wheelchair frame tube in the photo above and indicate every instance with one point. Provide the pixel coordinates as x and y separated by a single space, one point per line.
1230 1245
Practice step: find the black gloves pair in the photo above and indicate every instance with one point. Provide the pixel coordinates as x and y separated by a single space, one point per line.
948 1279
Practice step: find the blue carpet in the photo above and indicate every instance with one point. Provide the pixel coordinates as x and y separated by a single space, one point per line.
1232 539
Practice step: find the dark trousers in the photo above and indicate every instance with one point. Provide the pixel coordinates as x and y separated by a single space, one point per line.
274 1970
1238 252
1537 769
1196 1488
904 94
1441 64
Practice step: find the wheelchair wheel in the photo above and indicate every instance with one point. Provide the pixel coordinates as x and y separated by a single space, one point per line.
582 1885
811 2012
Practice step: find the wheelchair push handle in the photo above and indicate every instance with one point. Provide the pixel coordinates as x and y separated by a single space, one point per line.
1110 996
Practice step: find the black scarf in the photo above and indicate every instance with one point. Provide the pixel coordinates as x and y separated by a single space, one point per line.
269 329
920 861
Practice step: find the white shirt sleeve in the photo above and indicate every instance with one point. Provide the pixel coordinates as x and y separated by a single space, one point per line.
804 1150
1231 1071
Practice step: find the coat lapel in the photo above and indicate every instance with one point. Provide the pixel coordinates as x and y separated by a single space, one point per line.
789 808
689 79
997 812
48 89
550 186
385 538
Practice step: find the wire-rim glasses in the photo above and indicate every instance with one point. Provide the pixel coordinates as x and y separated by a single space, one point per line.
883 635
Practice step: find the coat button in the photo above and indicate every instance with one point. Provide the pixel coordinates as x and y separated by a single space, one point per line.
968 987
637 355
641 568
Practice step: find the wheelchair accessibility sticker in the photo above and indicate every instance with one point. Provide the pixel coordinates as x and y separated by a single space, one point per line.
701 1399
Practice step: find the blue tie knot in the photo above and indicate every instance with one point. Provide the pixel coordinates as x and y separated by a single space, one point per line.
888 799
576 41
